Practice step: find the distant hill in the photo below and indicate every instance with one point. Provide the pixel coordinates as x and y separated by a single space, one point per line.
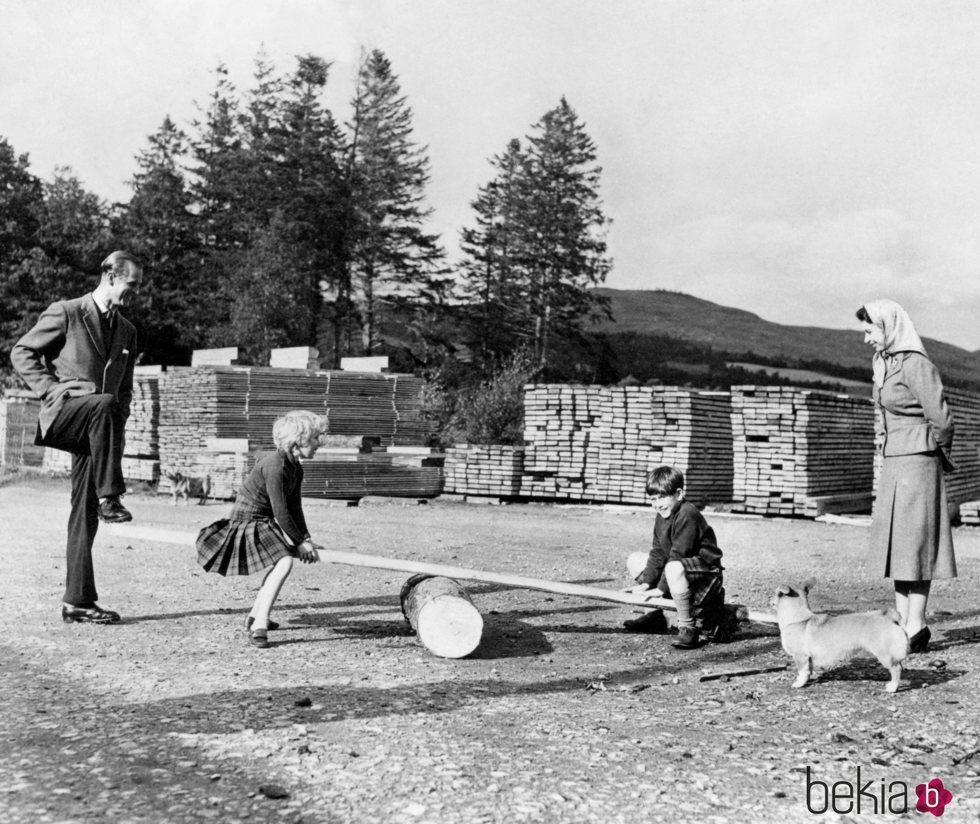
735 331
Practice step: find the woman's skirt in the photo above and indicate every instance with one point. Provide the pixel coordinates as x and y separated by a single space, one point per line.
910 531
241 547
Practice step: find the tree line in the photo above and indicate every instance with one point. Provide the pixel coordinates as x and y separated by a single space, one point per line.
269 222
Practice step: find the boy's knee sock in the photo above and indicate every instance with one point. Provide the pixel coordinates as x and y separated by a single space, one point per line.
682 600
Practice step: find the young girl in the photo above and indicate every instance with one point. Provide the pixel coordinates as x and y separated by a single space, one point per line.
266 528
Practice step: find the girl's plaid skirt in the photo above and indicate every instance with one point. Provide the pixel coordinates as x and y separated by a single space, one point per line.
241 547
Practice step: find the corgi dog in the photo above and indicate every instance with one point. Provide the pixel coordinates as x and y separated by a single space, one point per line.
820 641
183 486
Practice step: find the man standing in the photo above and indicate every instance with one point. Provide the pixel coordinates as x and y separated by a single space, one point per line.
79 359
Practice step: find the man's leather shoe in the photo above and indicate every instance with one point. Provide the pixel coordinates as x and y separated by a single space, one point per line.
89 614
112 511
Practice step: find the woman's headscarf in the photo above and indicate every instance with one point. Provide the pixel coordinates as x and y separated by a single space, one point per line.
900 334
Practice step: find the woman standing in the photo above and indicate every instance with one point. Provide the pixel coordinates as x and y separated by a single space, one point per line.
910 529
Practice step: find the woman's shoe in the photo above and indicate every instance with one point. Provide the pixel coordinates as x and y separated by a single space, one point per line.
258 638
920 641
250 620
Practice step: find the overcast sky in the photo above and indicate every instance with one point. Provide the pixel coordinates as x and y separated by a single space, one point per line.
792 158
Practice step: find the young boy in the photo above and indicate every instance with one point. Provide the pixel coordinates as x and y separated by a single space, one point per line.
685 561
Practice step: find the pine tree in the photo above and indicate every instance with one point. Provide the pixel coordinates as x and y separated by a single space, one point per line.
539 243
216 185
21 209
160 227
387 252
564 226
494 272
316 195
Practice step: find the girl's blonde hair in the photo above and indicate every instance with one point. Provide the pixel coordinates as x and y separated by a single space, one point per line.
298 428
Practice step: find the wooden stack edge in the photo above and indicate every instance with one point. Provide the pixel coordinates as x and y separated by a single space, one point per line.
596 444
491 471
800 452
970 513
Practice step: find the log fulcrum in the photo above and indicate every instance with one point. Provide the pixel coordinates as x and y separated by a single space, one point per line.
442 615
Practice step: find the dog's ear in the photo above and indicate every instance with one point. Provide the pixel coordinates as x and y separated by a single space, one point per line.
808 584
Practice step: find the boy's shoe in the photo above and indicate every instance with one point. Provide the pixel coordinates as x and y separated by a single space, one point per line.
259 638
653 622
688 638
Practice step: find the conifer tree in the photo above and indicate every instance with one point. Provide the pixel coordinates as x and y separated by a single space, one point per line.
388 253
216 188
21 209
493 265
564 227
160 227
539 243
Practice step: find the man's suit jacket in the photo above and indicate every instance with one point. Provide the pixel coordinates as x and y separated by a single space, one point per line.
64 355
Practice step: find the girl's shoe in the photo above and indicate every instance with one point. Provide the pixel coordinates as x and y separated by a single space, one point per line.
920 641
258 638
250 620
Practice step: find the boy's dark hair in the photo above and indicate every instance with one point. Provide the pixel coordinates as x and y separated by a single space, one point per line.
664 480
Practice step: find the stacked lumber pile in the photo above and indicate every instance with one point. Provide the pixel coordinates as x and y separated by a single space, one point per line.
559 422
695 428
592 443
354 474
962 485
241 403
141 456
801 451
473 469
621 449
18 426
970 513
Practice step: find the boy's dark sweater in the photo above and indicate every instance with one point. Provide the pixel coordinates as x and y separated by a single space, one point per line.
684 534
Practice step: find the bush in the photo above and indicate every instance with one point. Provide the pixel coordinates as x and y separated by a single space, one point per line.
489 412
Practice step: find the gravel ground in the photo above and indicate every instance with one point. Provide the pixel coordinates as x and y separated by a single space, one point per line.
560 715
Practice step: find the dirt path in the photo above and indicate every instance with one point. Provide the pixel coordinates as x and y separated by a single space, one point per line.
560 716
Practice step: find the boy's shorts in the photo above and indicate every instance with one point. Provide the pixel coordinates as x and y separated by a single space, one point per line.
705 581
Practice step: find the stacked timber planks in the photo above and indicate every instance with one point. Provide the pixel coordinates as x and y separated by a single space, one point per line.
801 451
621 447
593 443
970 513
474 469
694 429
376 473
18 426
141 452
199 404
559 422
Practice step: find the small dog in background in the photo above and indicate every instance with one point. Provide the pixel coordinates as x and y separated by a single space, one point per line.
183 486
820 641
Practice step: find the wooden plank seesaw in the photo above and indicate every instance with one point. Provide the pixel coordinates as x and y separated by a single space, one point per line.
334 556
